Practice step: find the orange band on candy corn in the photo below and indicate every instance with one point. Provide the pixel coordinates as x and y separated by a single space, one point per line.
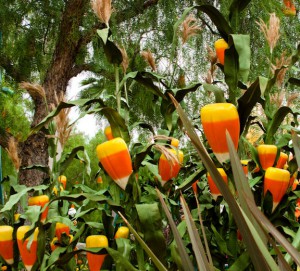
220 46
283 157
61 228
267 155
108 133
40 201
115 158
277 182
63 180
216 119
169 169
215 192
95 261
6 244
29 256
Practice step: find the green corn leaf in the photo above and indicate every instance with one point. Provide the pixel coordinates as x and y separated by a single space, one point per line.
296 244
247 102
151 222
198 248
275 233
147 79
120 260
191 179
186 262
218 20
242 263
296 146
150 253
274 124
242 46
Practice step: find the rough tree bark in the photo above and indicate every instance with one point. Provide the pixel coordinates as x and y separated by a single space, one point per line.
34 151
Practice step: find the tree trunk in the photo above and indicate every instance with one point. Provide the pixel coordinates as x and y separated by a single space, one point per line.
34 151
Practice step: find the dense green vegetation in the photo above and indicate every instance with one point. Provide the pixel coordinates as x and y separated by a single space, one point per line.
151 95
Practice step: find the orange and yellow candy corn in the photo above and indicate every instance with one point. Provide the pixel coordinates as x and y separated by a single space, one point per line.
289 8
122 232
169 169
220 46
115 159
245 166
53 244
215 192
281 162
108 133
29 256
293 178
40 201
216 119
99 180
294 185
267 155
95 261
61 228
276 180
175 142
6 244
63 180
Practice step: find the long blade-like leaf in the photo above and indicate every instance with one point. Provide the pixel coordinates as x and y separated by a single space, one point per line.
198 248
186 262
296 244
242 184
261 246
150 253
277 235
296 145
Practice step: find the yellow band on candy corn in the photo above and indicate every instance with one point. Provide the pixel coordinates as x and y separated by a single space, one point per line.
111 147
96 241
218 112
23 230
6 233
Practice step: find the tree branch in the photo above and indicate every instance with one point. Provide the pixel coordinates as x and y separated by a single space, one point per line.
129 13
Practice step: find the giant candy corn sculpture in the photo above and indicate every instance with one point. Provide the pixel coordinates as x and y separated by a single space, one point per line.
216 119
115 159
281 162
122 232
267 155
29 256
277 182
245 163
41 200
169 169
108 133
220 47
215 192
95 261
61 228
63 180
289 8
6 244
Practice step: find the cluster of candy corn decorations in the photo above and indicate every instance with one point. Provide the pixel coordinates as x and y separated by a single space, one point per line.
217 120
